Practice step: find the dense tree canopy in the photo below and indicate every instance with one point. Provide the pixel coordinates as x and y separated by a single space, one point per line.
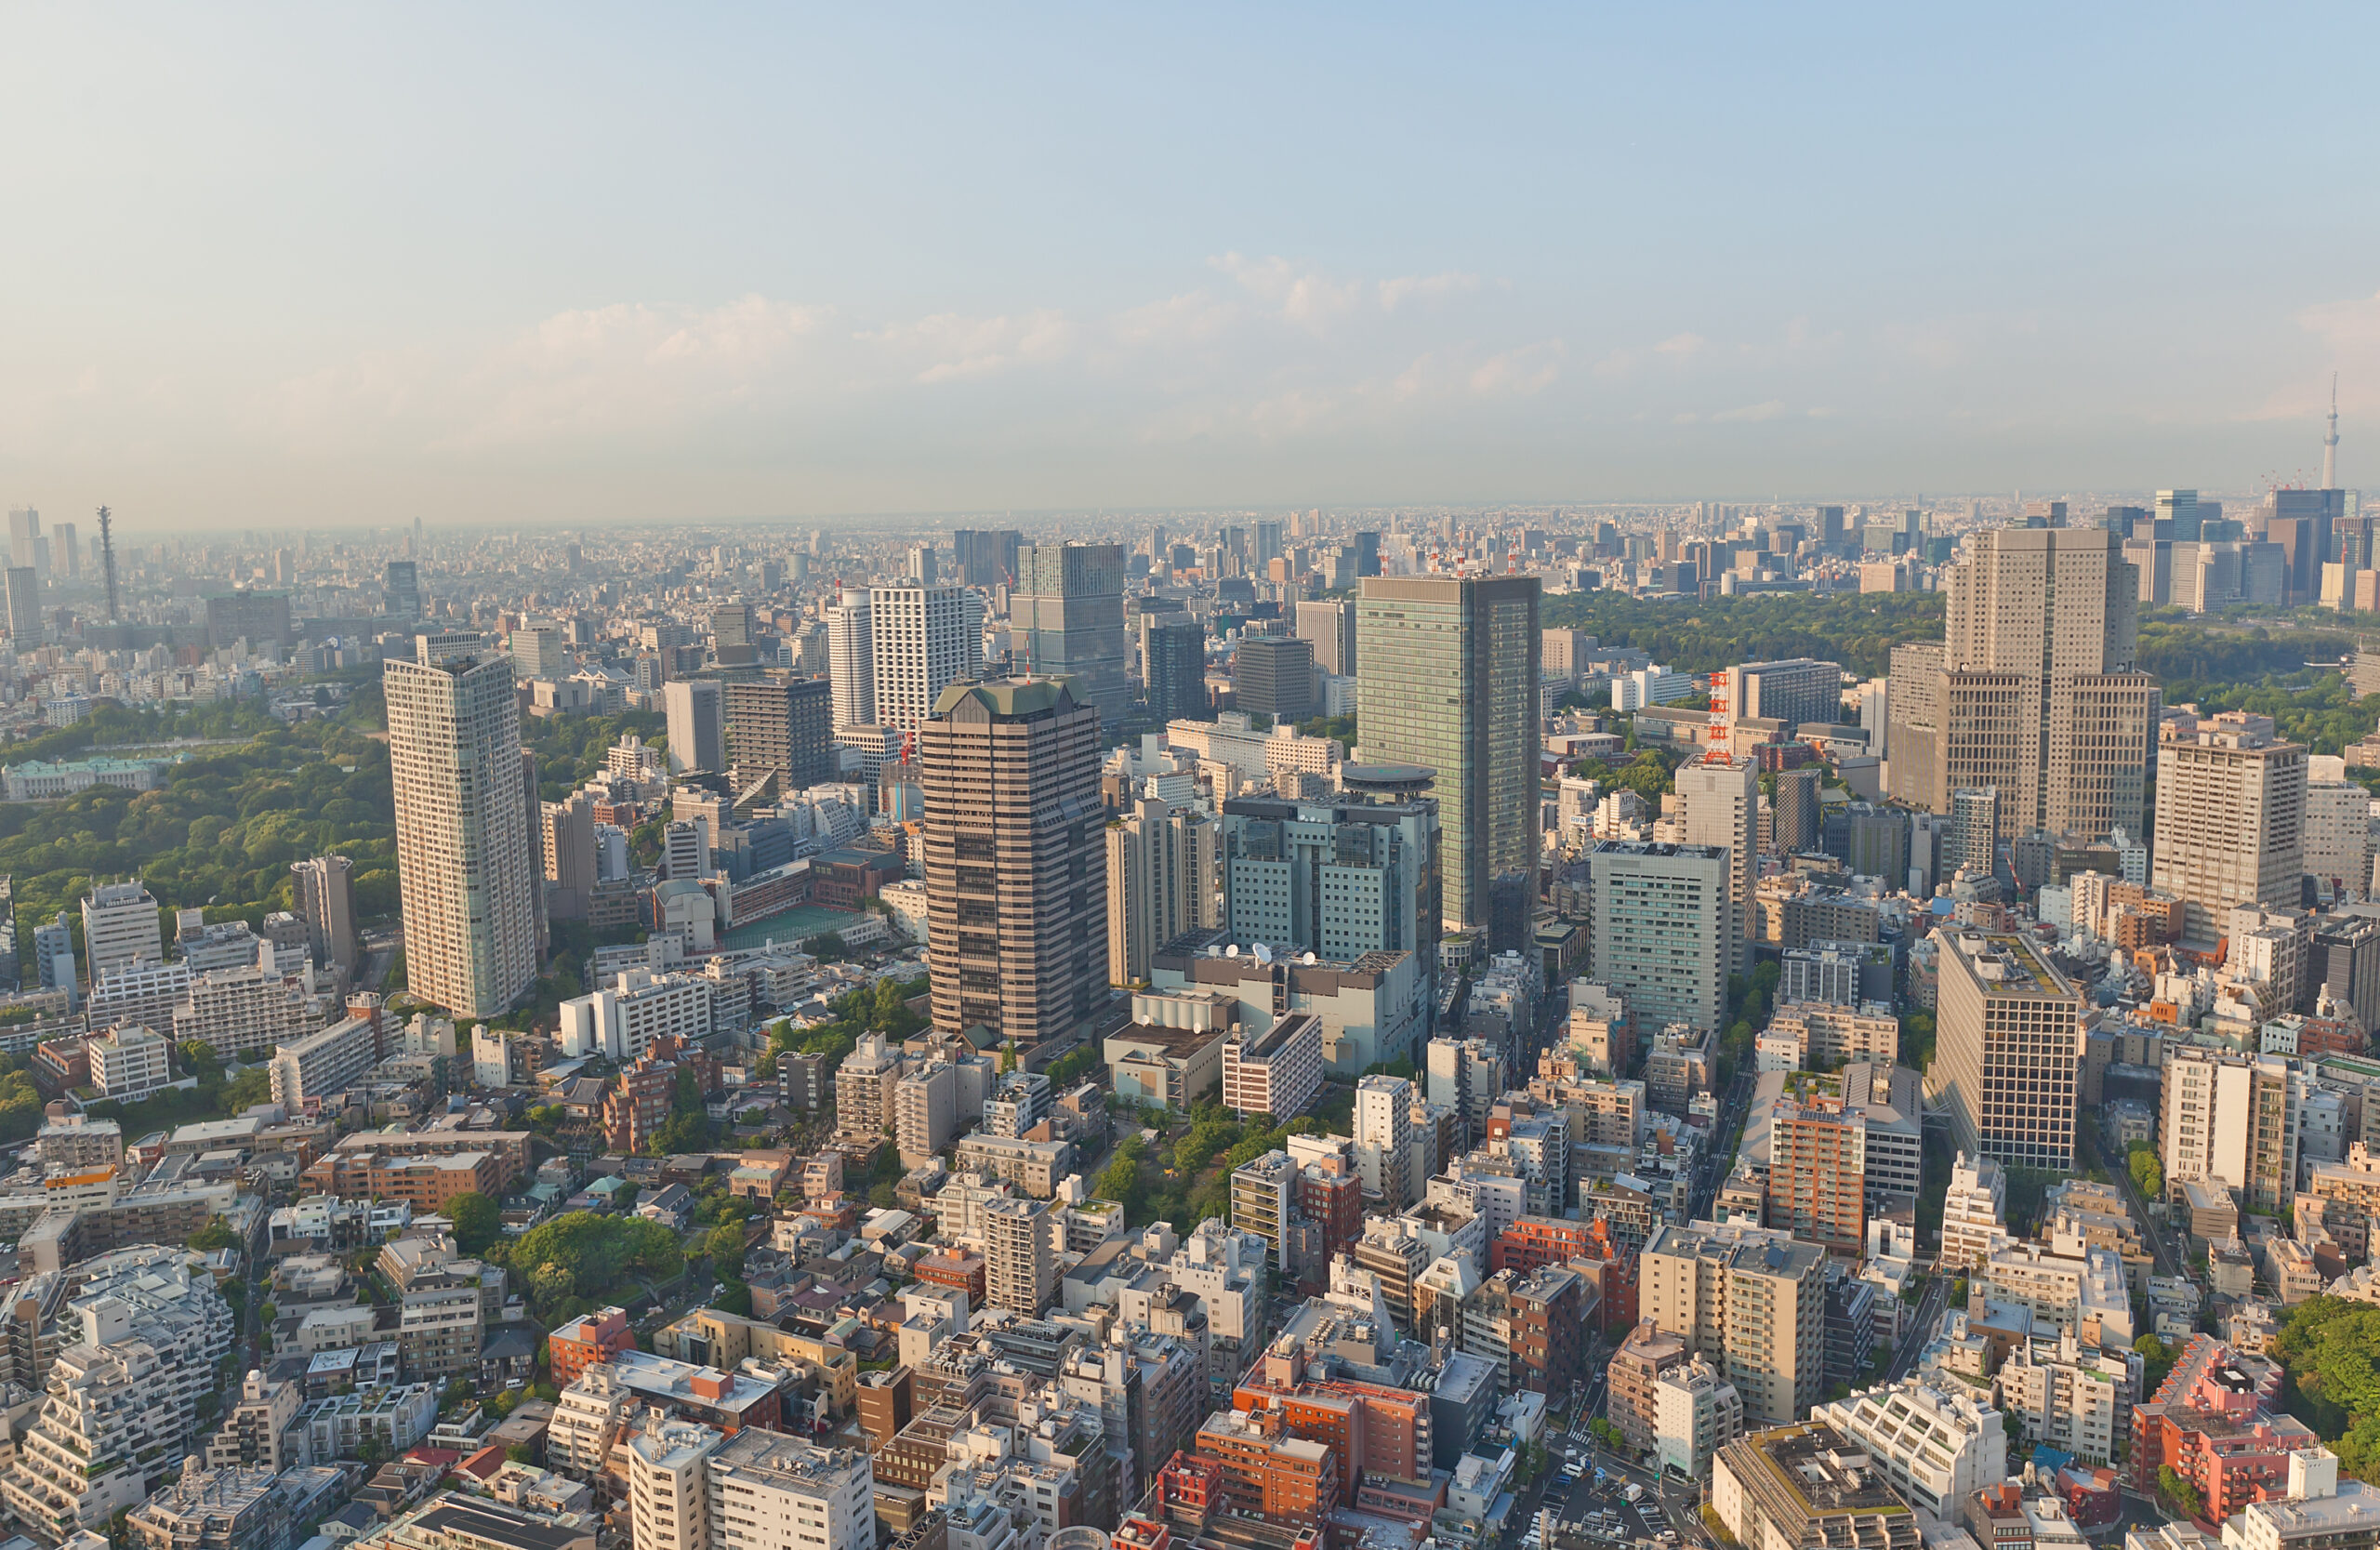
581 1255
1857 630
2328 1348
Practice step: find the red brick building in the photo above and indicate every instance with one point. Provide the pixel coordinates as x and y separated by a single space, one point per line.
572 1347
2213 1421
961 1272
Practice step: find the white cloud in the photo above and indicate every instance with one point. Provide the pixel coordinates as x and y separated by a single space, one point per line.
1424 287
1771 409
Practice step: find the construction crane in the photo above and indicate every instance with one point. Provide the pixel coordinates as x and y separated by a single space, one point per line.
107 562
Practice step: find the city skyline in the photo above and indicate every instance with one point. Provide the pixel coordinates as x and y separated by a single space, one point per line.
700 269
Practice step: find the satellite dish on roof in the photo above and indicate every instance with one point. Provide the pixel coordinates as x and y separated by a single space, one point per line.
1232 951
1263 954
1309 957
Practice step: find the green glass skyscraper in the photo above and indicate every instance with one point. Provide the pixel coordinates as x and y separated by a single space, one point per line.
1448 679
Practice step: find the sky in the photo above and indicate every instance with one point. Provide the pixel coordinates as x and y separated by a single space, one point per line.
315 266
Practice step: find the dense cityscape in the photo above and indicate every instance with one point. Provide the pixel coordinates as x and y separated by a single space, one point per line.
1729 1024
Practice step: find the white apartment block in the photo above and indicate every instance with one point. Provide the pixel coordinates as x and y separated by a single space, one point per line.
1938 1443
1383 1149
851 658
1751 1300
919 643
120 925
328 1061
1829 1035
925 1112
1695 1412
1276 1072
2232 1118
128 1063
2089 1293
588 1420
243 1012
770 1491
622 1020
1974 1214
669 1485
2068 1395
865 1085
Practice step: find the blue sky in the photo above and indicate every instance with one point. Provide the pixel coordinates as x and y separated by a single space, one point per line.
310 267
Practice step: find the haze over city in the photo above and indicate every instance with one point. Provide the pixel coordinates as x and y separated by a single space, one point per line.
316 270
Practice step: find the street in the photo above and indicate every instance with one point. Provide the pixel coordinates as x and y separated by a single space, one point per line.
1931 1304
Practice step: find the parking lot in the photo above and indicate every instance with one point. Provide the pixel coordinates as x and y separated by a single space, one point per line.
1592 1514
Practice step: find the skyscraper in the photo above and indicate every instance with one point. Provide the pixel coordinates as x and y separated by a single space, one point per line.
1164 879
1794 691
1070 601
24 607
1173 666
1797 810
734 635
697 724
69 558
851 657
2008 1042
1664 930
1721 798
1273 675
920 643
784 727
400 590
2230 821
1330 625
325 890
986 557
466 870
1015 875
24 534
2033 691
1449 682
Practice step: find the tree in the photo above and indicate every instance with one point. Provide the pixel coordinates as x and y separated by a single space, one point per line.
213 1235
477 1221
2156 1360
2147 1174
2177 1490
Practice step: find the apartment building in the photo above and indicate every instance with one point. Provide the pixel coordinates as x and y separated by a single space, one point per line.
1695 1412
1751 1299
1806 1485
1936 1439
2009 1050
324 1062
1020 1273
1276 1072
2231 819
2232 1118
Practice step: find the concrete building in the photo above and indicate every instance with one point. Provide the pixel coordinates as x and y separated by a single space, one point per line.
1450 684
1069 602
320 1064
128 1063
1974 1212
1019 1271
1164 879
922 642
1695 1412
2232 1118
2009 1050
851 658
1936 1440
1664 930
2230 821
1276 1072
781 726
1805 1486
621 1021
464 868
1010 773
120 925
325 890
1720 799
1751 1300
697 715
2058 723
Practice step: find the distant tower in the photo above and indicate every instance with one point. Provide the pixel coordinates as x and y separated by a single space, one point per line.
2331 442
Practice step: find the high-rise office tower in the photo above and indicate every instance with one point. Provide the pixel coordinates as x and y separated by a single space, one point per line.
1014 869
1164 877
1366 553
1267 546
538 650
1173 666
1974 842
851 657
325 890
2034 689
922 642
1665 930
2179 519
1070 601
1330 625
1449 682
986 558
2230 821
1721 798
697 724
2008 1044
24 534
1796 803
734 635
2305 524
783 727
401 589
1273 675
1830 528
465 867
24 607
69 556
922 568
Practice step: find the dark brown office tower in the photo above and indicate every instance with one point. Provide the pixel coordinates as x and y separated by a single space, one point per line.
1017 870
781 726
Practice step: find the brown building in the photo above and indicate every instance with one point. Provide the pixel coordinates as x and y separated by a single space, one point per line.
884 1403
1817 1187
1647 1352
960 1271
1264 1470
511 1146
1015 862
1549 1330
425 1183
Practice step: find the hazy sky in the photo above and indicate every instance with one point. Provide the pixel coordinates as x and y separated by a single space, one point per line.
319 265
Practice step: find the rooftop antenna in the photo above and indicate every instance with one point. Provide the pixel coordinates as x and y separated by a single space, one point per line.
2331 442
107 562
